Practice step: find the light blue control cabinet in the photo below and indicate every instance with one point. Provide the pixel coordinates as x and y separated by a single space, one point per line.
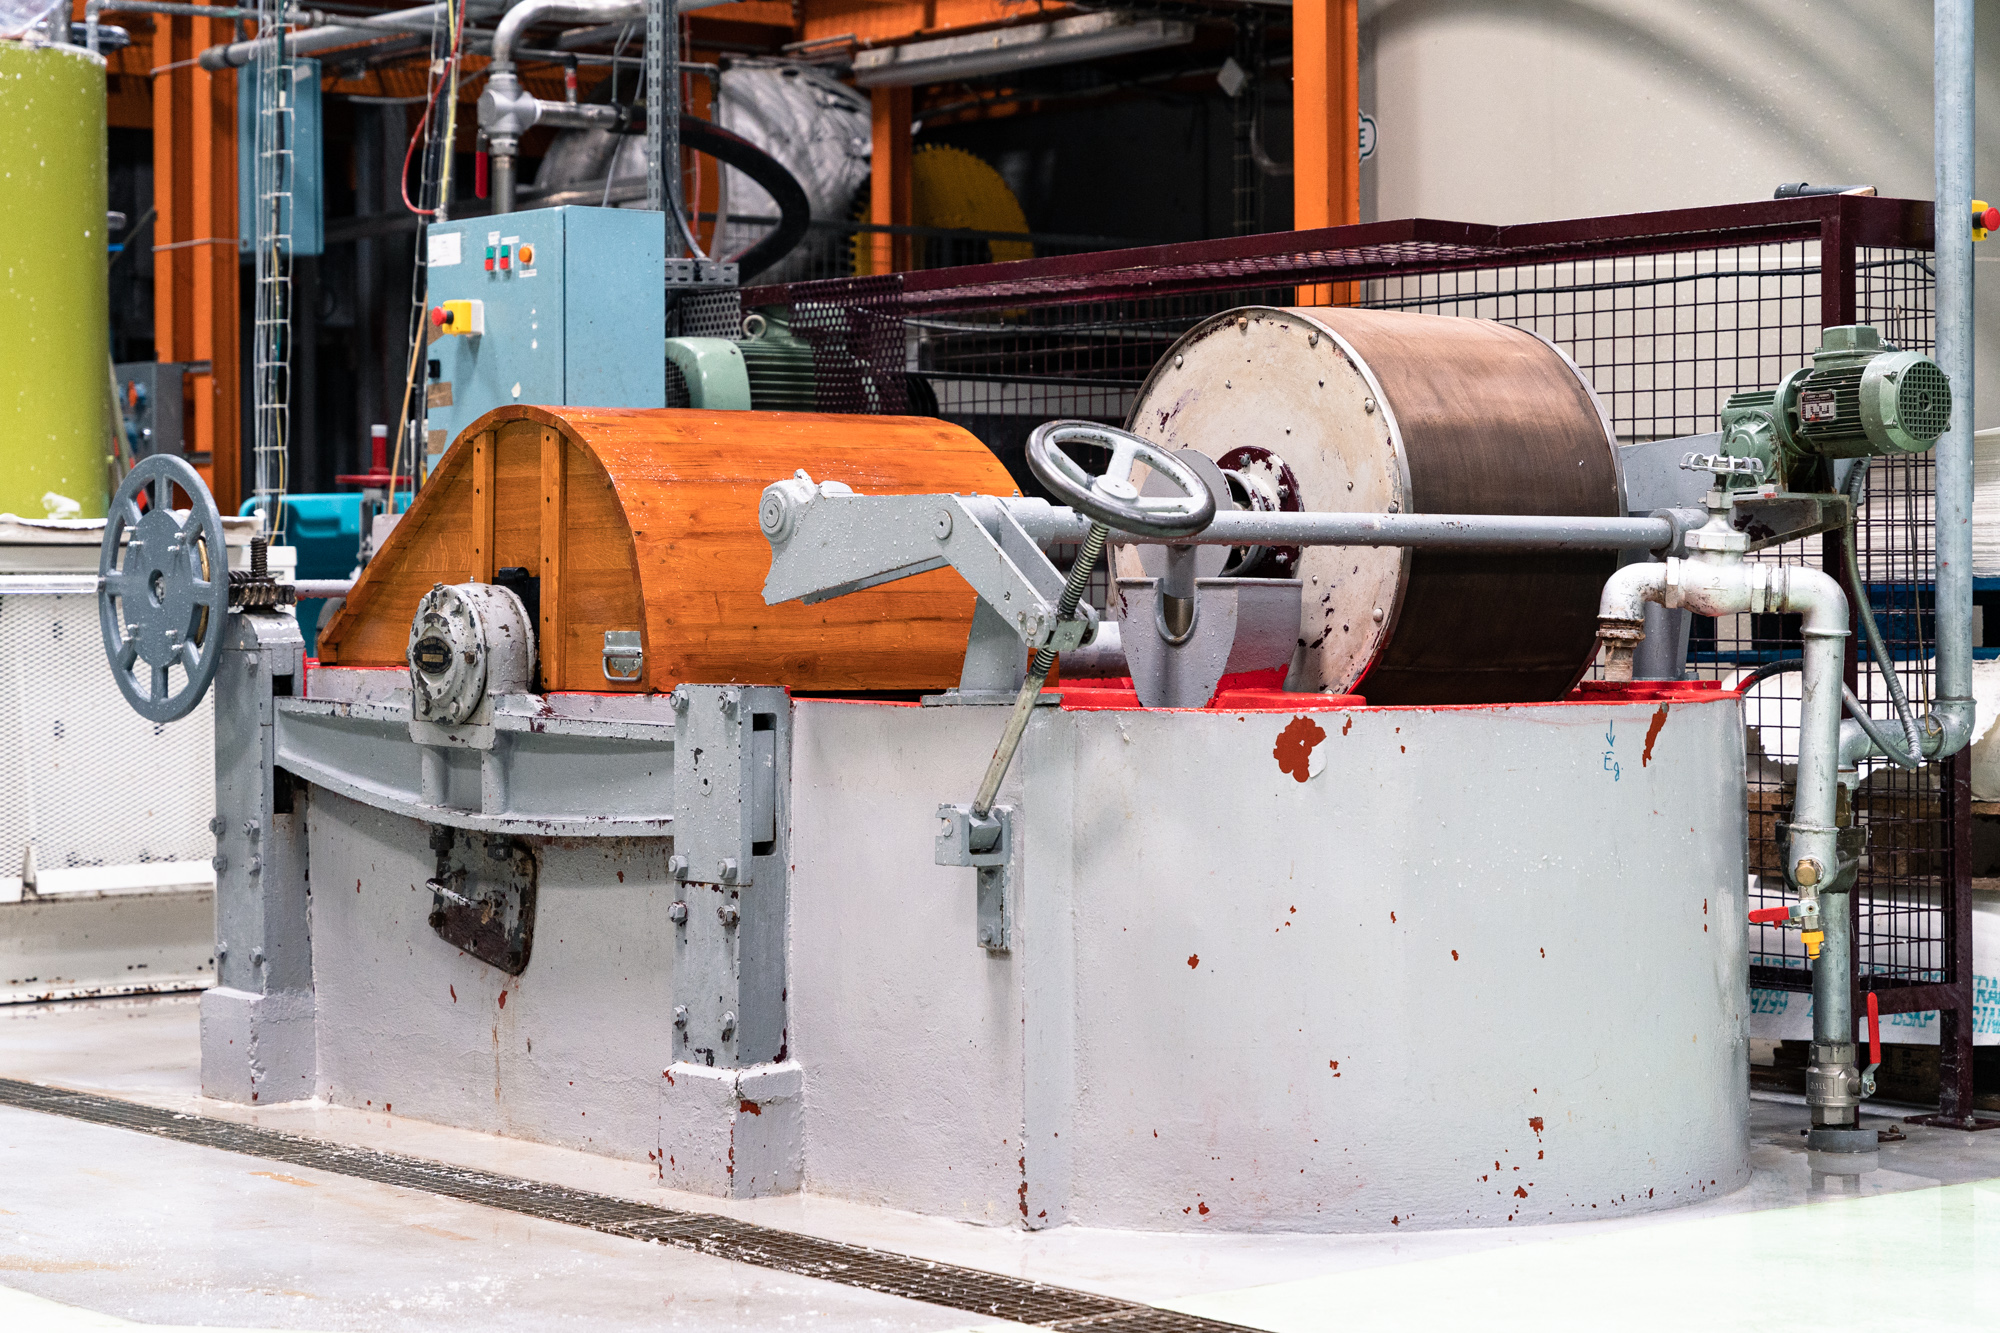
581 323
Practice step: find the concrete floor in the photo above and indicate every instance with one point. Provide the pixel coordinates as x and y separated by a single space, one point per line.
103 1227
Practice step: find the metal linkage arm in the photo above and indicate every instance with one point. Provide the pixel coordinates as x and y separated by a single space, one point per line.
827 542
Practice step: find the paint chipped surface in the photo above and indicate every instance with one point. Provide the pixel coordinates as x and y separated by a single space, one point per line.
1653 734
1294 750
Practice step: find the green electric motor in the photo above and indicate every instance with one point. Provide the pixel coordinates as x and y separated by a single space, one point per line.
1858 399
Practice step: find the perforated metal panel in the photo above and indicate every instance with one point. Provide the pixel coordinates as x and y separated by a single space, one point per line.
82 776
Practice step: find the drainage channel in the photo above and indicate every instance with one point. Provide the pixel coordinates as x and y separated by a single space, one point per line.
989 1294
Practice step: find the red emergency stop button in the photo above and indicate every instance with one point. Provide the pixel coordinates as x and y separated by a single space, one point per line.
440 317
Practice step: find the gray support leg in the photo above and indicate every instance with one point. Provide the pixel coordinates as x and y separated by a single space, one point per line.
257 1035
731 1122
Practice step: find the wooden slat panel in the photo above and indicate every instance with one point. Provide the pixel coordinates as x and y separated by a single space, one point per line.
660 526
600 576
484 447
555 508
517 496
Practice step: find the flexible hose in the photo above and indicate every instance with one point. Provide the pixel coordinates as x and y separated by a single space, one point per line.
794 209
1855 709
1856 485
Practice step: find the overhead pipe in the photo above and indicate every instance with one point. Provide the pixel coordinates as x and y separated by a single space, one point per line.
324 32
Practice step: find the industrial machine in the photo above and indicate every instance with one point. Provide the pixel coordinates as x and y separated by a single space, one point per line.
646 739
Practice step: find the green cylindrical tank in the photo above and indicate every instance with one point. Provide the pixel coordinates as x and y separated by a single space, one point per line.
55 391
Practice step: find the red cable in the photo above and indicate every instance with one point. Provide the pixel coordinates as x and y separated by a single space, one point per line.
448 79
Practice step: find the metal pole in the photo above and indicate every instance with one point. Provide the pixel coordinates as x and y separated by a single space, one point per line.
1953 92
1462 532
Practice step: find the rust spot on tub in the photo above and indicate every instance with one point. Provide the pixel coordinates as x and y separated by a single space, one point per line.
1194 960
1334 1065
748 1107
454 993
1535 1123
621 877
1653 734
1395 1221
503 999
1454 955
1295 746
1343 731
1520 1193
1392 918
1201 1208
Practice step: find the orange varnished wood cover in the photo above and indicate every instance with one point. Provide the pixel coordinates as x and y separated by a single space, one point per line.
646 519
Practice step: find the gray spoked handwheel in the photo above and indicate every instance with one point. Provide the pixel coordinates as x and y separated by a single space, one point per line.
166 604
1112 498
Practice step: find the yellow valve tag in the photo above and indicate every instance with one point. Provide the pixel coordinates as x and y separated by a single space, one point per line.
1812 939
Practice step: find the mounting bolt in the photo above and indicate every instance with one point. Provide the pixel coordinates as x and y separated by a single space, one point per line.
986 937
678 914
679 699
731 701
1807 872
726 870
729 915
728 1026
941 525
680 1015
215 826
677 866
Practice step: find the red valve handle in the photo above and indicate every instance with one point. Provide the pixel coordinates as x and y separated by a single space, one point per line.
1874 1030
1772 916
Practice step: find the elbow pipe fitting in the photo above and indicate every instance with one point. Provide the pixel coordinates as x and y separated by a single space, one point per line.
1720 586
530 12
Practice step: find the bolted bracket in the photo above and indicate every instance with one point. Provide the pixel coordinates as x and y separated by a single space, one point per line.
725 780
987 846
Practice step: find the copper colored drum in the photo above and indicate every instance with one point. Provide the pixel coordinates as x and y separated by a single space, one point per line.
1373 411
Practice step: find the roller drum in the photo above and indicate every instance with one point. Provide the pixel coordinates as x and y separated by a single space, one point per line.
1386 412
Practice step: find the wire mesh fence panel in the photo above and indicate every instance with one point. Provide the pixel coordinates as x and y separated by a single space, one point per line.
1665 328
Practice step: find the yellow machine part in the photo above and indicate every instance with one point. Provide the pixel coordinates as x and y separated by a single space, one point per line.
55 367
950 187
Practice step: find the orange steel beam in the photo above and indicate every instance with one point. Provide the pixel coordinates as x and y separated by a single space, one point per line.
889 179
195 292
1326 125
877 21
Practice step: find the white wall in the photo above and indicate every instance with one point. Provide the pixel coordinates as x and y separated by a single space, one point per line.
1528 110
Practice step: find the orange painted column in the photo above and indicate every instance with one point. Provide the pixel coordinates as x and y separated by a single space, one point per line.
195 266
1326 125
889 180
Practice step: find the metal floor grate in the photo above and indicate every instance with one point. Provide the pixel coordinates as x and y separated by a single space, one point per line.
989 1294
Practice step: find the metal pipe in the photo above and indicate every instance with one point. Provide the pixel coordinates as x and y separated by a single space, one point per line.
506 110
1953 110
1716 581
324 31
1456 532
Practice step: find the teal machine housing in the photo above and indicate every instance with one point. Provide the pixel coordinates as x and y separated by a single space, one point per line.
581 324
